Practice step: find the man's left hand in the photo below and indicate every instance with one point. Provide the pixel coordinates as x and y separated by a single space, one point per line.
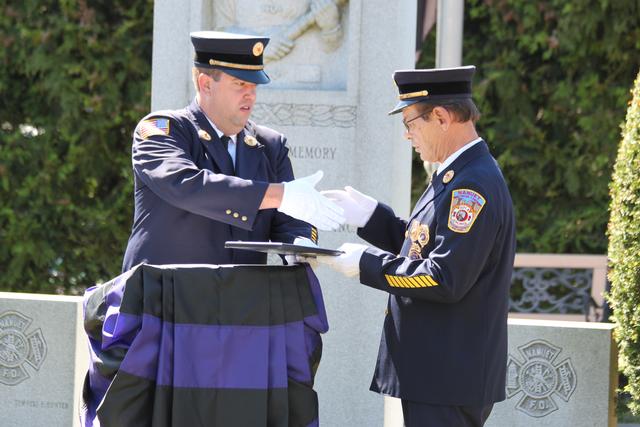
349 262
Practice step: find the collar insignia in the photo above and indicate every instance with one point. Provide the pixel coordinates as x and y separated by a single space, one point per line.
250 141
448 176
203 134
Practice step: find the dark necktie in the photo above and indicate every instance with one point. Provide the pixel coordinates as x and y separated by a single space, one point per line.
225 142
433 177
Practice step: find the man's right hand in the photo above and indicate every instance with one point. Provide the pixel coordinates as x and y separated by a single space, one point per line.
301 200
358 207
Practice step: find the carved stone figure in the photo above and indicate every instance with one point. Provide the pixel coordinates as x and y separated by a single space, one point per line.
312 26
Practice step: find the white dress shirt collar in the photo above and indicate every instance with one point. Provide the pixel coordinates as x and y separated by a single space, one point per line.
220 133
232 147
457 154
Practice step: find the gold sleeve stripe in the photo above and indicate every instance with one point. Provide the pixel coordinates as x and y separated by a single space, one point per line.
424 283
415 282
429 281
398 282
433 282
390 280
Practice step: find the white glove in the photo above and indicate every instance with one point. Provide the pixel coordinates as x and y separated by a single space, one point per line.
357 207
302 201
349 262
297 259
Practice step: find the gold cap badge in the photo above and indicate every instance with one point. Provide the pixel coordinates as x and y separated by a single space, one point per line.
258 48
203 134
448 176
250 141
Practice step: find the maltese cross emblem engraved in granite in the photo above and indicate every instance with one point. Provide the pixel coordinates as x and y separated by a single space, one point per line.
18 348
539 378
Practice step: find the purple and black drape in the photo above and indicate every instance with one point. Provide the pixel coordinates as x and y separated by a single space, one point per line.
204 345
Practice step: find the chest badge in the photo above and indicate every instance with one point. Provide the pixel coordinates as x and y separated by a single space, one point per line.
448 176
203 134
418 233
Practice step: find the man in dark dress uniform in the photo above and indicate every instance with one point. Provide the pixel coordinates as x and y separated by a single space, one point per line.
207 174
204 345
447 269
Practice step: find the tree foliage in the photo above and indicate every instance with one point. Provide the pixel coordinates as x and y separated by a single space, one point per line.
74 80
624 248
552 84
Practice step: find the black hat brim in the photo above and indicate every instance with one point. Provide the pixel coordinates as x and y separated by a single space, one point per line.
258 77
401 105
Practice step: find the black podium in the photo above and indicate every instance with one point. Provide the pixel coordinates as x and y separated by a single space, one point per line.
204 345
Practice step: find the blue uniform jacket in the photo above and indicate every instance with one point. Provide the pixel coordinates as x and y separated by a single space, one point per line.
189 199
448 272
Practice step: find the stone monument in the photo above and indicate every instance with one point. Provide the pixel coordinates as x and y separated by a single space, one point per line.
43 359
331 63
559 373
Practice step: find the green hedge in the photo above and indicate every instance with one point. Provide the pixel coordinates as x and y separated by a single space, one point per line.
74 80
624 249
552 84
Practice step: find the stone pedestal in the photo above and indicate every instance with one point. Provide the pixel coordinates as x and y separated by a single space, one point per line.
330 94
43 359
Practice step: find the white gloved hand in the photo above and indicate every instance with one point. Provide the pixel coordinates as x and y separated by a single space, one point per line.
349 262
302 201
357 207
297 259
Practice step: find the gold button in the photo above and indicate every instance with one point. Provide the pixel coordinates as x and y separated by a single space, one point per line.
228 211
386 312
236 214
244 218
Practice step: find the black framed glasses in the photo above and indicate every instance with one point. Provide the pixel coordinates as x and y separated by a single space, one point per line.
406 123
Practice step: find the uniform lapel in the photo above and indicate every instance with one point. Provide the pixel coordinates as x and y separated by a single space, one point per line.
433 190
248 157
214 146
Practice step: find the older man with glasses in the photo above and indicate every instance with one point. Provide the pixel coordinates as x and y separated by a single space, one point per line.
447 268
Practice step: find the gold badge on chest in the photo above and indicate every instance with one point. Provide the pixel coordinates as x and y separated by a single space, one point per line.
419 235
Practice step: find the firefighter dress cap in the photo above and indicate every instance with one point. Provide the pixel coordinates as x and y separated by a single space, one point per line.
432 85
239 55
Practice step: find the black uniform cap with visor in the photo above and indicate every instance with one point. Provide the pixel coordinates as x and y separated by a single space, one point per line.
432 85
239 55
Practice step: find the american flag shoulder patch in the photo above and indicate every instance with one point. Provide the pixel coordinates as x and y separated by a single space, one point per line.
150 127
